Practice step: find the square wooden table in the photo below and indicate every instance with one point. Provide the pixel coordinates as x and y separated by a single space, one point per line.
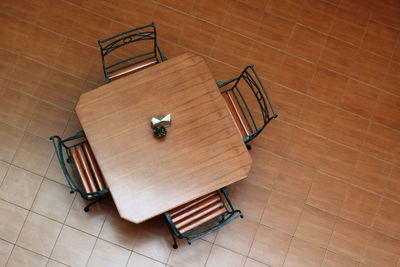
202 152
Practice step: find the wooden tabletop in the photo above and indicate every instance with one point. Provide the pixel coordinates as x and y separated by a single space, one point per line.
202 152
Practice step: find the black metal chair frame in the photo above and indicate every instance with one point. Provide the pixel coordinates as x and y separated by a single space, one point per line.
207 227
250 76
143 33
73 179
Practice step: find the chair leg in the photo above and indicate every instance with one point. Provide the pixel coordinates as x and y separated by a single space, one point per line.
174 245
86 209
248 147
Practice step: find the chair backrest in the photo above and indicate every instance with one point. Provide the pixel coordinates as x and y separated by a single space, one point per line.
66 151
143 51
248 102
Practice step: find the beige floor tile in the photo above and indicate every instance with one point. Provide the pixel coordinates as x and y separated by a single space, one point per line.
327 193
107 254
20 187
221 257
332 260
53 200
381 250
231 48
287 102
253 263
73 126
48 120
5 251
39 234
29 10
305 254
360 206
12 219
194 255
246 25
76 59
279 136
119 231
27 76
16 108
54 172
73 247
4 166
296 74
270 246
327 86
10 137
33 154
58 16
237 236
61 89
7 66
282 213
153 239
315 226
294 180
22 257
90 222
137 260
250 199
17 33
264 168
210 237
371 173
89 27
44 46
349 239
392 186
53 263
388 219
381 142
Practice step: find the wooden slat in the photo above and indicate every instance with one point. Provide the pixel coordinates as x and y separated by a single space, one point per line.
202 220
86 169
81 171
190 204
196 208
198 215
132 69
94 167
237 114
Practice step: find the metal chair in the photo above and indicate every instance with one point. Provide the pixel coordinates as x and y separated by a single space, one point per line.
251 108
201 216
80 167
145 40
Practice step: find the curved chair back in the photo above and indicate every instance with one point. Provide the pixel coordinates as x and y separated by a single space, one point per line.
248 102
144 52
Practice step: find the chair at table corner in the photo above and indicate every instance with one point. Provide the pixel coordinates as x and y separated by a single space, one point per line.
80 167
248 103
201 216
130 52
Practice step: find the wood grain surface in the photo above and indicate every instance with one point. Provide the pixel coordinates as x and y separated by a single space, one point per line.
202 152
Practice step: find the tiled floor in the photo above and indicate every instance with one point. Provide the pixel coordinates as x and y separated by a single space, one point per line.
324 189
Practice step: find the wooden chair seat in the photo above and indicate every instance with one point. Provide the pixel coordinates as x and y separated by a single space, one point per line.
201 216
132 69
87 167
197 212
237 113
